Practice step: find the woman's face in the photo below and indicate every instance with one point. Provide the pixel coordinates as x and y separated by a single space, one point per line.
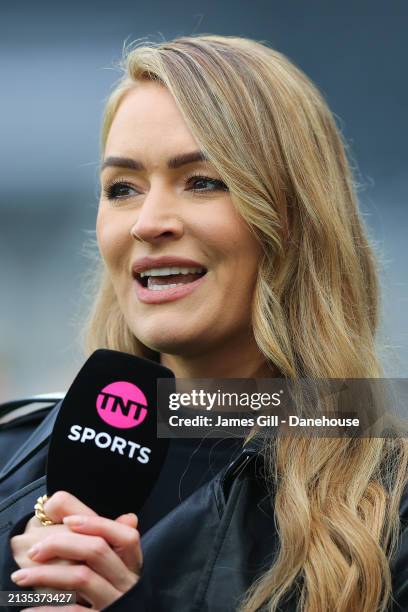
162 202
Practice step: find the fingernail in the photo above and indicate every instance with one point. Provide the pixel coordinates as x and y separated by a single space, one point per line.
19 576
34 550
74 520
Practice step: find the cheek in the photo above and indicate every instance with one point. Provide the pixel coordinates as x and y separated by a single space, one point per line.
112 237
222 236
236 246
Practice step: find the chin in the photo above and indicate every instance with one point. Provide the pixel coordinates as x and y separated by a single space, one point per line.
171 343
165 332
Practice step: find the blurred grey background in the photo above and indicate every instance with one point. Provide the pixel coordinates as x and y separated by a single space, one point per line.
56 66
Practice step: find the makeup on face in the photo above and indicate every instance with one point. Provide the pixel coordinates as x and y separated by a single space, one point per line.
182 261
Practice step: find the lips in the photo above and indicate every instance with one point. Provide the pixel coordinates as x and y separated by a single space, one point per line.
149 296
166 261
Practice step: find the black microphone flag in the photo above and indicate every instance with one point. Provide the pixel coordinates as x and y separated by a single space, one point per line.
104 447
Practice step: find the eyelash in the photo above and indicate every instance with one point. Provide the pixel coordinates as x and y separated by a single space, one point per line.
110 191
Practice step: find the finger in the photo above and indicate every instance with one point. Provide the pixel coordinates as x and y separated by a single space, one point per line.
62 504
125 540
93 588
128 519
93 550
20 544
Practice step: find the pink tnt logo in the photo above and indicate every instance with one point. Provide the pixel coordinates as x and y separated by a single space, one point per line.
122 405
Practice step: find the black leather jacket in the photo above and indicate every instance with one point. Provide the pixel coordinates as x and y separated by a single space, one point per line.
202 555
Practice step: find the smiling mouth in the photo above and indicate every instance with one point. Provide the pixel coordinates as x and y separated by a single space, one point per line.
168 278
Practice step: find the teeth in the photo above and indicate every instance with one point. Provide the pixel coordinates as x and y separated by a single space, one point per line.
161 287
167 271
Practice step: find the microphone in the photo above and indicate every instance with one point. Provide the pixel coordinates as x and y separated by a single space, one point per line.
104 447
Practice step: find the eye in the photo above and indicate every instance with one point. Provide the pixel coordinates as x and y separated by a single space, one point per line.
205 183
119 190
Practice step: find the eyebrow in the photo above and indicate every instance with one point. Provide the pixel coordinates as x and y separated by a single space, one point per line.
172 163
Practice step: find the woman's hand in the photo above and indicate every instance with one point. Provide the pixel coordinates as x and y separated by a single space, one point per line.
59 505
102 557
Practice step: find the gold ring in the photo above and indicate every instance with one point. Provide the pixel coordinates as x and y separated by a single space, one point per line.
40 512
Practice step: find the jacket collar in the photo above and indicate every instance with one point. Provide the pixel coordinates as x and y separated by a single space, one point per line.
37 440
246 457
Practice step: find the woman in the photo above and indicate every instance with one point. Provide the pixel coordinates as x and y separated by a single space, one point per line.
222 161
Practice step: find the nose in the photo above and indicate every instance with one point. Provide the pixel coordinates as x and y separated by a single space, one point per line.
157 218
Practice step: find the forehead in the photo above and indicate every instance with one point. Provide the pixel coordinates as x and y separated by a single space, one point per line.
149 121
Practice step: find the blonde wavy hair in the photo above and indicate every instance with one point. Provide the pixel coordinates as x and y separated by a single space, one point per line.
271 137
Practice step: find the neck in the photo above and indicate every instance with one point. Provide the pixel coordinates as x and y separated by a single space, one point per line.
227 361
